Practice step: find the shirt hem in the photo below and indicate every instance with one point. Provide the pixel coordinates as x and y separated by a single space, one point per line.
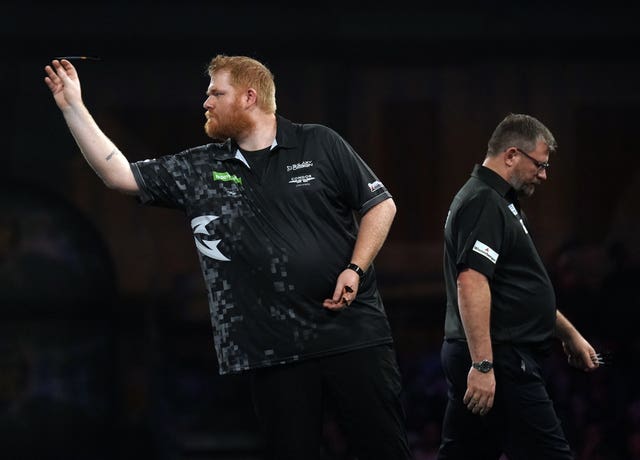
299 358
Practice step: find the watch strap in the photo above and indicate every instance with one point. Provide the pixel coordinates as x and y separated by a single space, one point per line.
483 366
356 268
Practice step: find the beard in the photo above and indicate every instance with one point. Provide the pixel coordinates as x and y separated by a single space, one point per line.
523 187
231 126
526 190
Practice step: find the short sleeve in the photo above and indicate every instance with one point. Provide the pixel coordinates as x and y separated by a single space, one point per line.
479 234
163 181
359 185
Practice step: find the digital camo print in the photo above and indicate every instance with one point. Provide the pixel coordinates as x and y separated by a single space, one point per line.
271 247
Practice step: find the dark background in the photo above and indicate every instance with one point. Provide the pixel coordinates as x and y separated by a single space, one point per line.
105 341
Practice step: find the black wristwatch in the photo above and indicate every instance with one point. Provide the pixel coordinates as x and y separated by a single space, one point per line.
483 366
356 268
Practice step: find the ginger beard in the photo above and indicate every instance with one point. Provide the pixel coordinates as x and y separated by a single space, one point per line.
231 125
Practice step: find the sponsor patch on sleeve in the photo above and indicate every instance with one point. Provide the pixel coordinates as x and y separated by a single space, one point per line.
373 186
486 251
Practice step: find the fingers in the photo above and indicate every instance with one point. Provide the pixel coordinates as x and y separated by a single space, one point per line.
589 361
51 73
55 73
347 295
52 80
50 84
70 70
333 304
478 405
341 300
583 362
345 291
60 71
602 359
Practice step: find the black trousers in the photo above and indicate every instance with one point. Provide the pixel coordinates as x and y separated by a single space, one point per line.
523 423
365 388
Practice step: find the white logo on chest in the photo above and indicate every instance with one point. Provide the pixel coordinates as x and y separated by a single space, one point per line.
301 180
296 166
208 248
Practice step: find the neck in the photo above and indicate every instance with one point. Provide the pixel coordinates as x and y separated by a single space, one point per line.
261 134
496 164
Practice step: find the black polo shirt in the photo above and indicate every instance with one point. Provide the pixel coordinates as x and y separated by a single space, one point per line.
486 231
271 245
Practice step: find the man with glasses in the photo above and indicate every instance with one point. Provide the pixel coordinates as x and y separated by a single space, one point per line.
501 313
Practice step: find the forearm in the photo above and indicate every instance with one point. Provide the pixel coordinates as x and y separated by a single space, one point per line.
579 351
373 231
564 330
474 302
98 150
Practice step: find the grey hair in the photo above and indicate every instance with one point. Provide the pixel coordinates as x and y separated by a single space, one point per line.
522 131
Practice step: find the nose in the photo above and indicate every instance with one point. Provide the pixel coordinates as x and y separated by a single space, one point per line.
207 103
542 173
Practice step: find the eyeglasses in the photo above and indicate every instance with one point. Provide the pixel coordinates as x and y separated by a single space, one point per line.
541 165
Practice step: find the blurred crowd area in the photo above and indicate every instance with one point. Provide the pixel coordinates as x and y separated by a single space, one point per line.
89 373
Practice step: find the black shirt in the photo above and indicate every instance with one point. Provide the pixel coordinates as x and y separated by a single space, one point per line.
257 160
272 245
486 231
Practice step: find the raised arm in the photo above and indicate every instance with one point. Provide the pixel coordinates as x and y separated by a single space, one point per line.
101 154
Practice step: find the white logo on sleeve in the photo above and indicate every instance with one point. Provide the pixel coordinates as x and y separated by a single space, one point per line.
486 251
375 185
207 247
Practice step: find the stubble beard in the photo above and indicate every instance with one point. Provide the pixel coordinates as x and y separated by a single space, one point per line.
527 190
522 187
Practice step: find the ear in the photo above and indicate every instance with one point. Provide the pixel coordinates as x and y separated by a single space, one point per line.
251 96
509 156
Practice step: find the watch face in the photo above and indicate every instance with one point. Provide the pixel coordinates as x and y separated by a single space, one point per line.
483 366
